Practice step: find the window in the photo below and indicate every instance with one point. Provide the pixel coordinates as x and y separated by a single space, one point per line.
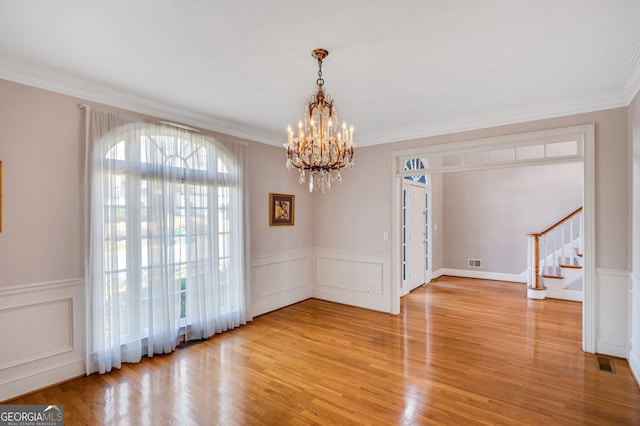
166 239
188 206
415 164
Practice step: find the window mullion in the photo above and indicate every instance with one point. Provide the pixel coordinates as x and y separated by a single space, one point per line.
134 238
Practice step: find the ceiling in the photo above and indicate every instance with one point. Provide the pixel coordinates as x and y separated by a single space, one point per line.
397 70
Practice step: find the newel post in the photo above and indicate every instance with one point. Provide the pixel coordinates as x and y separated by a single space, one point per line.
535 289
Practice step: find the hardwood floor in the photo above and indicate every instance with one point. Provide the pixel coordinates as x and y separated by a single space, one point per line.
463 351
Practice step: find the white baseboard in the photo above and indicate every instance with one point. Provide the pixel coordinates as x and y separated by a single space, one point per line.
572 295
52 319
634 364
612 349
485 275
634 324
42 378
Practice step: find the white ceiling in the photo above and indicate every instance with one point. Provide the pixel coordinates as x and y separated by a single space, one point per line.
397 69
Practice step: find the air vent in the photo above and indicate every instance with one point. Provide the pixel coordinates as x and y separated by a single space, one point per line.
605 364
474 263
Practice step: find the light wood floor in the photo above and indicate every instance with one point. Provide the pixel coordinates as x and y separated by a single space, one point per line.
462 352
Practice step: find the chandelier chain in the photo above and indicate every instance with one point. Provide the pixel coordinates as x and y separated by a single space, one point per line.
320 80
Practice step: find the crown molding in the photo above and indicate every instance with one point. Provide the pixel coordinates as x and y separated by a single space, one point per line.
21 71
630 82
24 72
521 114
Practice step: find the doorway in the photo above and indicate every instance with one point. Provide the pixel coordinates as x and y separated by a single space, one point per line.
575 143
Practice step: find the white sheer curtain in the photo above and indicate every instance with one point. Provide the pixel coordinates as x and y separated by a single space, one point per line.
167 237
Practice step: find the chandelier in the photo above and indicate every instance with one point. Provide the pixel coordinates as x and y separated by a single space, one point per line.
321 147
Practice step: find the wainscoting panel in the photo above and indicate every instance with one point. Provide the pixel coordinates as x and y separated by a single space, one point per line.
354 279
612 312
42 341
280 279
42 333
634 342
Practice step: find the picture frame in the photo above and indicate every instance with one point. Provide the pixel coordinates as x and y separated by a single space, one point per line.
281 209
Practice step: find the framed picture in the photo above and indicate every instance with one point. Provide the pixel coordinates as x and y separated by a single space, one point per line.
281 209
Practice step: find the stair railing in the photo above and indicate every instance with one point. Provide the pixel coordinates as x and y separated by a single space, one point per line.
540 260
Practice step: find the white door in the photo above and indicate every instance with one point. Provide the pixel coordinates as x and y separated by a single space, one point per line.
415 237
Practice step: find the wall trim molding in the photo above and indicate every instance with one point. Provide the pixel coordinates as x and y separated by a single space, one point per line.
612 349
634 327
309 284
75 364
613 289
57 350
69 347
364 282
485 275
267 258
634 364
635 283
294 267
43 286
630 81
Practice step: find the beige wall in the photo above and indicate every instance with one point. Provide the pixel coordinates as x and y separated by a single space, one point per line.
268 174
437 221
41 149
354 215
42 152
488 213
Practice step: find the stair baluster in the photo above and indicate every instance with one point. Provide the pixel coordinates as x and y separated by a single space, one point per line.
562 246
572 222
550 264
581 234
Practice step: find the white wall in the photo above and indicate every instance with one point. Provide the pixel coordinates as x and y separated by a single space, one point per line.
476 204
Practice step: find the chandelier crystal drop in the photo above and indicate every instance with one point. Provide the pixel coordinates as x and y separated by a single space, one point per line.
320 147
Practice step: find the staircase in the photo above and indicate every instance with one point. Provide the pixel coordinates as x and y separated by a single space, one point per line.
565 280
554 265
